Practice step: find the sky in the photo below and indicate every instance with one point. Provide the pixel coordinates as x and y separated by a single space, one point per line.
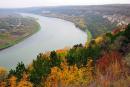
37 3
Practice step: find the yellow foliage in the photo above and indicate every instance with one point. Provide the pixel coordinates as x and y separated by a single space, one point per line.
99 39
3 73
24 82
70 75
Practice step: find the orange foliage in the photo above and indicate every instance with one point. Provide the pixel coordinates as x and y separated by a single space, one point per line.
60 51
2 84
12 81
3 74
24 82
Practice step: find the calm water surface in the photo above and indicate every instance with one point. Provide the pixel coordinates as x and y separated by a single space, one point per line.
54 34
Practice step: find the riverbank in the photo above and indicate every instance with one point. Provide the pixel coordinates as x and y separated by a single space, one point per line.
77 21
19 39
89 35
95 23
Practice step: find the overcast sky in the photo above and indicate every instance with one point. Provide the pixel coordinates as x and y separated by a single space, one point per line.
32 3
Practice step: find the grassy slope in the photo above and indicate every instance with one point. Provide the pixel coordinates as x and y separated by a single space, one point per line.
89 35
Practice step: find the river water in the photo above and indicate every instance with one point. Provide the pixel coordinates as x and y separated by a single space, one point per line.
54 34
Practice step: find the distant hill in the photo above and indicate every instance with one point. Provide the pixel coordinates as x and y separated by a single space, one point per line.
98 19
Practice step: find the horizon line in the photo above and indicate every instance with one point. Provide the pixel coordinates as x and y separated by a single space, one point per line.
63 6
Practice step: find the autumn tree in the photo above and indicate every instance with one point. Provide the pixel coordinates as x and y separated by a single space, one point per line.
12 82
111 70
3 83
70 76
3 73
24 82
108 59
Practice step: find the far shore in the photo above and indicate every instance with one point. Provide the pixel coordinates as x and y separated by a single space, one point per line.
21 39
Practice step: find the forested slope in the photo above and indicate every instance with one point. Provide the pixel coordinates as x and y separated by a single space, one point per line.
103 62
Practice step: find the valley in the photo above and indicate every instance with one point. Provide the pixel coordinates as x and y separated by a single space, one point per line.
76 46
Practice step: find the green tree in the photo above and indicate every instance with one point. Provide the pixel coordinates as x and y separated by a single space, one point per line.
55 60
127 32
41 68
18 72
79 55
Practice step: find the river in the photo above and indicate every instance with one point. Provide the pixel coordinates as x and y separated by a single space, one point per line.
54 34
